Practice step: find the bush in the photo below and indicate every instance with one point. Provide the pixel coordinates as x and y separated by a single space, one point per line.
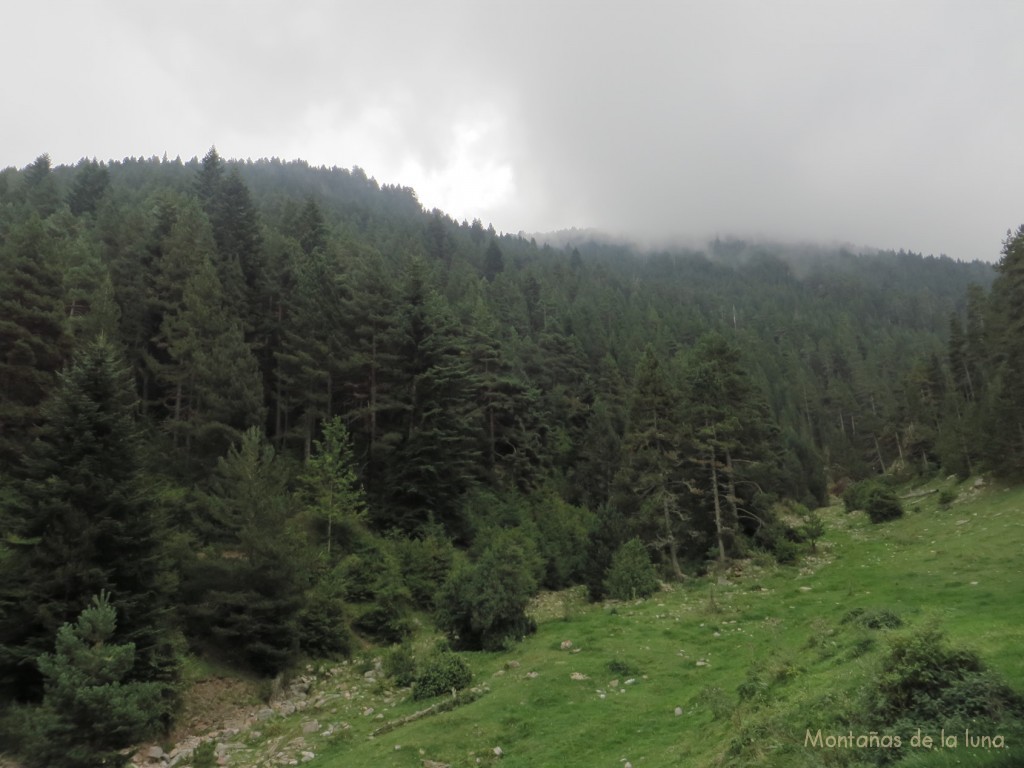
323 629
874 497
922 679
881 618
400 665
425 563
631 574
441 673
946 497
856 495
382 602
623 668
482 605
883 505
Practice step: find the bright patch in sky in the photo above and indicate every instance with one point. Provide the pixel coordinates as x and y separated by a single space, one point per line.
472 181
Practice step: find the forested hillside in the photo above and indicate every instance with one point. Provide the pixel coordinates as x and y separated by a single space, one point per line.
262 411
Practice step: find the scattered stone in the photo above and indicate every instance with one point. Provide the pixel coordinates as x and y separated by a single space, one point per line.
499 673
566 645
532 675
678 711
310 726
368 711
512 664
578 676
307 756
265 714
630 681
613 684
498 752
701 663
805 589
435 764
155 753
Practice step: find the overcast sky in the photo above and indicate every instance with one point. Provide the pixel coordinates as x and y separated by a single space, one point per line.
896 124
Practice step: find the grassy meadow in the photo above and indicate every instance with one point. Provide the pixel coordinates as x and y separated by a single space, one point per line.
730 670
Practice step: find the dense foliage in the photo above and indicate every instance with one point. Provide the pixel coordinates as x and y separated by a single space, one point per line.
266 405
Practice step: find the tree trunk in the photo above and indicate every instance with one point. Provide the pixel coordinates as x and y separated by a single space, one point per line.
673 547
718 509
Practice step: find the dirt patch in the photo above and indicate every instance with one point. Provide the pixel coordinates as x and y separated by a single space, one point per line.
210 703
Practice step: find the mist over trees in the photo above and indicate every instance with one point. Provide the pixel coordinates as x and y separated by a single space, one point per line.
262 407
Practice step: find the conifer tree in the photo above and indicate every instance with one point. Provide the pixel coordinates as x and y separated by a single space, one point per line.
41 192
435 458
246 593
92 709
1004 404
88 524
651 482
729 426
34 342
330 486
92 180
370 317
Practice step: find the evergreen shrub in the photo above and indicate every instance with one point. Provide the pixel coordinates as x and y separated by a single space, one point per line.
441 673
631 574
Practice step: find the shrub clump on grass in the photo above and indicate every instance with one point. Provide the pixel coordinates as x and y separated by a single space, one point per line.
631 574
400 665
623 668
881 618
924 680
441 673
482 605
875 498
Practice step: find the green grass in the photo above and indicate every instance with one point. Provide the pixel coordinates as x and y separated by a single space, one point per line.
777 657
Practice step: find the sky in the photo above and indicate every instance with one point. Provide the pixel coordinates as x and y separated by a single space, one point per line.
892 124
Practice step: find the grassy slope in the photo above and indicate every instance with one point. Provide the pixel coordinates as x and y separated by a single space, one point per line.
779 629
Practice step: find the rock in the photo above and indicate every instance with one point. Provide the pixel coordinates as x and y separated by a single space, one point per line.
265 714
679 711
578 676
701 663
307 756
512 664
805 589
310 726
155 753
613 684
368 711
566 645
435 764
497 752
532 675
